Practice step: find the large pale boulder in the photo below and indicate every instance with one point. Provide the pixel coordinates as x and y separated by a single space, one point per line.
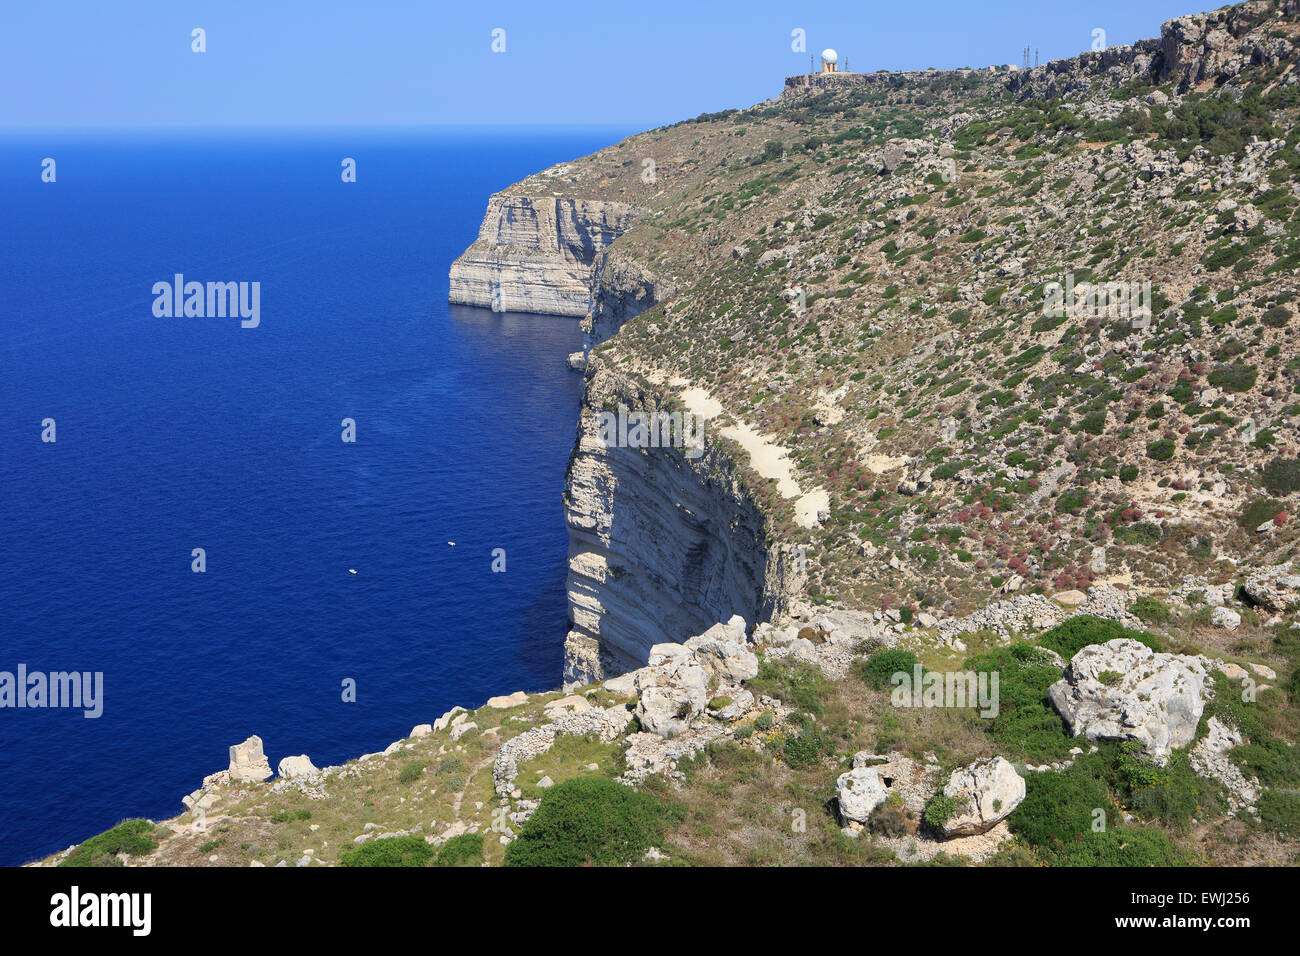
983 794
671 696
445 720
572 704
1123 690
860 791
1226 618
679 680
248 762
297 768
730 663
506 701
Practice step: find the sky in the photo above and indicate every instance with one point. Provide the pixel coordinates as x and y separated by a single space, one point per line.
130 63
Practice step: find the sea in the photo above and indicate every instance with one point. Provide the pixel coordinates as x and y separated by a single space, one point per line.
322 527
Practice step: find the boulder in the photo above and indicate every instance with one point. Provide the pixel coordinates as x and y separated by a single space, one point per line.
461 729
506 701
624 685
1123 690
1226 618
742 702
860 791
421 730
297 768
668 709
983 794
730 663
446 719
572 704
248 763
1072 598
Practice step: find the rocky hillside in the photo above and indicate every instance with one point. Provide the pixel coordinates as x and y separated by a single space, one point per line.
1112 729
874 277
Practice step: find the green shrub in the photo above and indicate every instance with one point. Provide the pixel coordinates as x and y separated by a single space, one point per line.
1074 634
807 747
1138 532
1172 794
1279 812
796 683
1128 473
1027 726
1162 449
1275 762
1094 423
463 850
1069 501
411 772
390 851
939 810
285 816
1259 511
1276 317
132 837
1060 807
878 668
1122 846
1281 476
1150 611
1237 377
591 820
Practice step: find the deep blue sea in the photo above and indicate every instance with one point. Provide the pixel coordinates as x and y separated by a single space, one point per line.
183 433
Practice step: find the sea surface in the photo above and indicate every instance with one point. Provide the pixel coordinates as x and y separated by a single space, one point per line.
174 434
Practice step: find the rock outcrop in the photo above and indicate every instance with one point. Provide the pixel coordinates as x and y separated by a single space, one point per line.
248 761
1123 690
680 679
983 794
297 768
860 791
1210 759
1274 589
537 253
1200 48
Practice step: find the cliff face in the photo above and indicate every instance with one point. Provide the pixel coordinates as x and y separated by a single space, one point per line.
621 289
537 253
661 546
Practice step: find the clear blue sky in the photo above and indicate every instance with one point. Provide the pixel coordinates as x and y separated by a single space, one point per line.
381 62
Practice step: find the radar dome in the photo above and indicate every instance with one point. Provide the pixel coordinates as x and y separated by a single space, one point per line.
830 56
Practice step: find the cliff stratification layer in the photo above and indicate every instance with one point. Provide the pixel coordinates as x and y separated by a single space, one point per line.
662 544
537 253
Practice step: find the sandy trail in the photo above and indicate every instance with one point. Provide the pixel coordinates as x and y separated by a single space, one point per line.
770 460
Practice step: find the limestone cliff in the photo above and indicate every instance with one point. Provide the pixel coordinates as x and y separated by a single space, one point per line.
537 253
661 546
621 289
